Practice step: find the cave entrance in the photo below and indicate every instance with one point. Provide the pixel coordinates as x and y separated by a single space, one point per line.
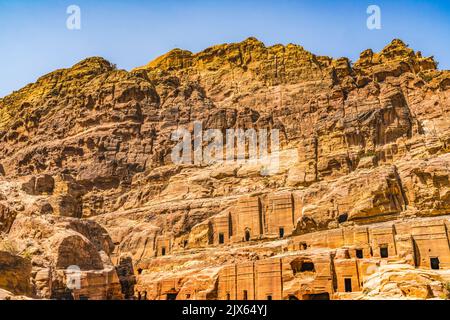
317 296
247 235
269 297
281 232
307 266
434 263
245 295
163 251
359 253
348 284
172 295
221 238
228 296
302 265
343 218
384 252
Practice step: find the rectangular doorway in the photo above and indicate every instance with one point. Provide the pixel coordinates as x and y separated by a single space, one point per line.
434 263
348 284
384 252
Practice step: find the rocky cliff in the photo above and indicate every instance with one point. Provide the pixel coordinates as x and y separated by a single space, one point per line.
358 209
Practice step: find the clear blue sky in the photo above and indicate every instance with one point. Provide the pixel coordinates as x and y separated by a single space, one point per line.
34 39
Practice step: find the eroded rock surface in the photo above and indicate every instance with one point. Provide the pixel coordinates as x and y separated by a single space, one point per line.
87 178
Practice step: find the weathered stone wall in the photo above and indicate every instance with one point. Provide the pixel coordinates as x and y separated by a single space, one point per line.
364 162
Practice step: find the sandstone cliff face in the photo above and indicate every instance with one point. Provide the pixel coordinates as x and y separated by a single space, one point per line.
86 163
44 255
15 273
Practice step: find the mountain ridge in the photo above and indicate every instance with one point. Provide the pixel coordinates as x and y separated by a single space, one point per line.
363 180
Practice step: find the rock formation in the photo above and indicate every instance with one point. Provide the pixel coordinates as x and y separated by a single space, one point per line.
359 208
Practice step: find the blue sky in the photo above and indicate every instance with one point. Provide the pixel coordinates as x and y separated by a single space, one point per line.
34 39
